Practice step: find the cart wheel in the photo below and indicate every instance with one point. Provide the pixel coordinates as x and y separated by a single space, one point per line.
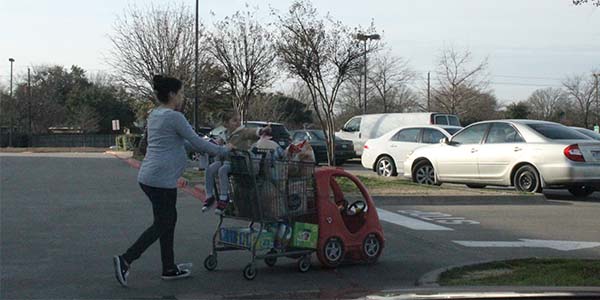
271 261
210 263
304 263
371 248
250 272
332 253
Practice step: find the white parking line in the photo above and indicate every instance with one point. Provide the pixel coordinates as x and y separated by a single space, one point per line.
407 222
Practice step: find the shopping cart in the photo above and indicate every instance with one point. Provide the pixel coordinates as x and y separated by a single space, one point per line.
269 194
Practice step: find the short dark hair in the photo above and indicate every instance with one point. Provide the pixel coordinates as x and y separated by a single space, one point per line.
164 85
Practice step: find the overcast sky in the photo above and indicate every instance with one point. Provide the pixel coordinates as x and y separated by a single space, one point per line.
530 43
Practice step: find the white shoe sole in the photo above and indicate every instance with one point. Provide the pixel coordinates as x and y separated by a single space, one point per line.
186 273
122 279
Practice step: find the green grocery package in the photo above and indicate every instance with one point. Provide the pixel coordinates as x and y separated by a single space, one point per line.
305 235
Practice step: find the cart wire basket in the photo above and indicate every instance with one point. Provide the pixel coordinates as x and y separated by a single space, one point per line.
264 191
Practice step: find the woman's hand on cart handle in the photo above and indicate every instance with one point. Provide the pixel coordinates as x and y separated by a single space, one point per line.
182 182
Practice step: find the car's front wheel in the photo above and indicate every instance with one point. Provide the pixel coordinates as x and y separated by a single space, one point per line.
581 190
527 179
385 167
424 173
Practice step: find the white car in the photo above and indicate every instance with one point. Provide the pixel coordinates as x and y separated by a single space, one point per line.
386 154
529 155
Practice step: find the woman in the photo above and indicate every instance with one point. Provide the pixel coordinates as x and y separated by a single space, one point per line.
169 134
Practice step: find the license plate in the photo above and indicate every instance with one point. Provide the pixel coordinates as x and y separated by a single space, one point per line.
344 146
281 143
596 154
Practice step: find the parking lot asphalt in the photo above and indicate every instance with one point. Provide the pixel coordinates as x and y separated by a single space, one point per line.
63 216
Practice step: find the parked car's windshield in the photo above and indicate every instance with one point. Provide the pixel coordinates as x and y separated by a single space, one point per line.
320 135
277 129
558 132
452 131
589 133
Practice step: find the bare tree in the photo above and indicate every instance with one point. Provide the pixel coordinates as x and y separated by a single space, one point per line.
389 76
545 104
593 2
86 119
157 40
581 89
458 81
244 52
323 54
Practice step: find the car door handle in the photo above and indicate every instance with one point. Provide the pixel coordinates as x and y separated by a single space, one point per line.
393 146
516 149
474 150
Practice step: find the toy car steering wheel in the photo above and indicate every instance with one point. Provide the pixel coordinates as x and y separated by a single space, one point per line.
356 208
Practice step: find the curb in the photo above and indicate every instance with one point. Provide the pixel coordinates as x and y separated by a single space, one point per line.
431 278
197 191
464 200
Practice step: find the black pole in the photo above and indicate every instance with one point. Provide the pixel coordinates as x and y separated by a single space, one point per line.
196 75
365 83
29 105
10 129
428 91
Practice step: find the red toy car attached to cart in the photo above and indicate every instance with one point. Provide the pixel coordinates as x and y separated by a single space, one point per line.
349 229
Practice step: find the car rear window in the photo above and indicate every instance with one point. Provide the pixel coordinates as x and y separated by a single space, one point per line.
277 130
557 132
453 120
452 131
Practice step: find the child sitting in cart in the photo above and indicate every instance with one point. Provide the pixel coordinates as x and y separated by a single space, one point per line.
242 139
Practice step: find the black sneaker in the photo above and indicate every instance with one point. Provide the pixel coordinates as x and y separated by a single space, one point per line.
176 274
210 201
121 269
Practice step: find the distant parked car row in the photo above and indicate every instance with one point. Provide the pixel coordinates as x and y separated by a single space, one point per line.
529 155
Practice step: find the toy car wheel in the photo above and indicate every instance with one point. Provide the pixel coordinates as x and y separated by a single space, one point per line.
304 263
210 263
271 261
250 272
372 248
332 252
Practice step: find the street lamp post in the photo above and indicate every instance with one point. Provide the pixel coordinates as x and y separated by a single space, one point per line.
196 74
12 60
10 123
596 75
364 38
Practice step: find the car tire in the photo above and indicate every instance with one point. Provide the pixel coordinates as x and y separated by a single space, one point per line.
385 167
371 248
476 186
581 190
424 173
527 179
332 253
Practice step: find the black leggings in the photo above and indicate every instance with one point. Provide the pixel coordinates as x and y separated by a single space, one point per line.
163 227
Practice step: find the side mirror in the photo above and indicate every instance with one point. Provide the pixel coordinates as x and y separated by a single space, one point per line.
445 141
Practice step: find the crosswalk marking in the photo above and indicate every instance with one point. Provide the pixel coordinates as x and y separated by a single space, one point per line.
407 222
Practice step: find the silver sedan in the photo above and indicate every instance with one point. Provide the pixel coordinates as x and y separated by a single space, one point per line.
529 155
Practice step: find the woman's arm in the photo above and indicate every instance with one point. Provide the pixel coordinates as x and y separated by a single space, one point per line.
196 143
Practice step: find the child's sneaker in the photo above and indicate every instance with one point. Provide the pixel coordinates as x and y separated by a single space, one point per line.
210 201
121 269
221 206
176 274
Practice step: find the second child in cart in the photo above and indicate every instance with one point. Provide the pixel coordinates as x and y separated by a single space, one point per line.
242 139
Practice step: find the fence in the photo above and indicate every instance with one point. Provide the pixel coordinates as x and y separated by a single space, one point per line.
59 140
